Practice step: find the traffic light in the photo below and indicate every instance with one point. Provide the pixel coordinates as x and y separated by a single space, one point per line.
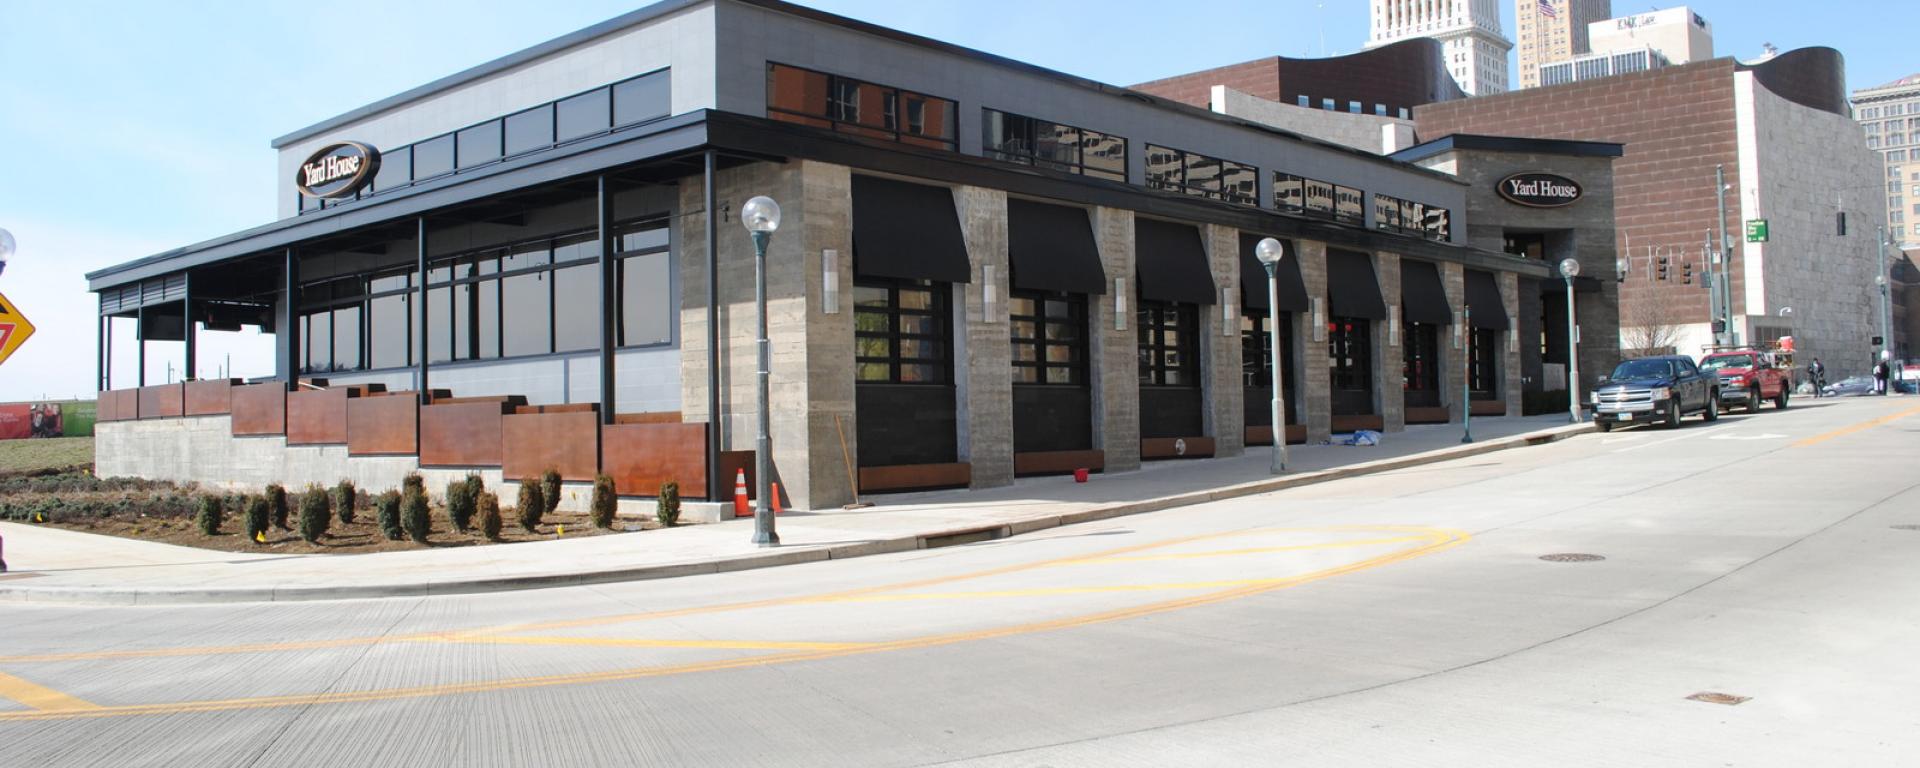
1664 268
1719 326
1686 273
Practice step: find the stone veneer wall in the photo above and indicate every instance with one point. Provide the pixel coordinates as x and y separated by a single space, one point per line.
986 383
1314 368
1116 379
1389 364
1221 384
1453 351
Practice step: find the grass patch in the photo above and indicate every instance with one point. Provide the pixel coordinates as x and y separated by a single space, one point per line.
46 453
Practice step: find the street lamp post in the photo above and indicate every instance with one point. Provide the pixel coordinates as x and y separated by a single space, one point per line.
1886 315
1569 268
761 215
1466 377
1269 251
6 248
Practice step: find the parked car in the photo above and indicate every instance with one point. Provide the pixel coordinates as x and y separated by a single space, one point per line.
1851 385
1655 389
1747 377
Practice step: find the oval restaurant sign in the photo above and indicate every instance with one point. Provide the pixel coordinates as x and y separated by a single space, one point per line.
337 170
1540 190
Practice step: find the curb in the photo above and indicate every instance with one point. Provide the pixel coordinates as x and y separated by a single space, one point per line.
924 540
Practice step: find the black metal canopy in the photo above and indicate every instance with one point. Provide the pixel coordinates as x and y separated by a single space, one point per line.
1170 263
907 231
1352 288
1423 299
1483 297
1253 277
1051 248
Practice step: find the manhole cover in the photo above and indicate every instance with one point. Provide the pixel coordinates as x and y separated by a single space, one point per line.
1907 527
1711 697
1572 557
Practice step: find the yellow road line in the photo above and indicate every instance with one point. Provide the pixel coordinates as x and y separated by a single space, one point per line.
1438 540
642 642
1860 427
1251 550
39 697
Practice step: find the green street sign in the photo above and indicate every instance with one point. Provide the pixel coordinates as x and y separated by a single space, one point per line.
1756 230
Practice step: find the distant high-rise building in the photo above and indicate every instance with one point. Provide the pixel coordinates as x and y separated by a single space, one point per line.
1474 48
1679 34
1890 115
1554 30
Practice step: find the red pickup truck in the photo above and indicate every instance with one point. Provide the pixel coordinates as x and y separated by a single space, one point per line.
1748 376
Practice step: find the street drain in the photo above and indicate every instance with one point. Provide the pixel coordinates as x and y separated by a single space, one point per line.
1907 527
1572 557
1711 697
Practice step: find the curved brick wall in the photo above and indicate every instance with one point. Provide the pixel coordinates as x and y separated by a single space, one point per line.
1810 77
1405 74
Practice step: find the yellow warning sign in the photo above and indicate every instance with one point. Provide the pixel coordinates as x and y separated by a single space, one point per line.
14 329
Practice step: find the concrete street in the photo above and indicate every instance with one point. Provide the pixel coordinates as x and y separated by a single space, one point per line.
1403 618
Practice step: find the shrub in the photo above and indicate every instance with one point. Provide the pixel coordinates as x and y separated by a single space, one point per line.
414 516
277 506
387 508
344 498
258 512
669 506
460 504
209 517
605 502
316 512
530 506
487 506
550 489
475 485
413 482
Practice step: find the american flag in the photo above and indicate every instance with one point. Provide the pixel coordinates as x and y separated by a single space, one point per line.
1546 9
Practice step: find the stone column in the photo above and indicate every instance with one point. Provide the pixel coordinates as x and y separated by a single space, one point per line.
1453 347
1510 368
1116 363
1221 386
812 352
1388 365
985 372
1315 386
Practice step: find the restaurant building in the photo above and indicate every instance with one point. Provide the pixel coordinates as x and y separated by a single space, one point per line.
984 270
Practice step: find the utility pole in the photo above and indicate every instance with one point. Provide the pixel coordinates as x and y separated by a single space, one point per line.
1726 253
1885 283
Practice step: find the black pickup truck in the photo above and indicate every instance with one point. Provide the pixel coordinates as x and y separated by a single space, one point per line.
1655 389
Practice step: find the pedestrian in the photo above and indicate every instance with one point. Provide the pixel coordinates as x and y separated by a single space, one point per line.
1880 375
1817 376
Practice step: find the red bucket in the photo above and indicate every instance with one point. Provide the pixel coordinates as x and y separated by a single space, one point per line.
1080 475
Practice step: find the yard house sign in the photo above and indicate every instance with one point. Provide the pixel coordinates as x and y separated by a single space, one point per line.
1540 190
338 170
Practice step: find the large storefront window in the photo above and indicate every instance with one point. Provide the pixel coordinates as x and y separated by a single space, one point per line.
861 108
900 332
1483 346
1049 333
1420 365
1167 344
1350 364
1256 360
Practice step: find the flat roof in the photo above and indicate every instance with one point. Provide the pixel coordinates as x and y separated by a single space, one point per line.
1485 143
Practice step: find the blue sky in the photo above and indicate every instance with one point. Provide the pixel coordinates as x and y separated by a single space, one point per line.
130 128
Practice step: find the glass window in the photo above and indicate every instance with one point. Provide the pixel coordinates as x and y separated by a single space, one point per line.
1350 354
643 98
346 338
576 308
479 144
1305 101
1167 335
1049 332
390 328
319 336
396 169
861 108
526 257
439 326
900 332
1483 344
529 130
646 300
1319 197
1349 205
527 325
582 115
433 157
1201 175
1287 192
576 249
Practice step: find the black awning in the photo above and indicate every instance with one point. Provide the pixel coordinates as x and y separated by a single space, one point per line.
1051 248
907 231
1253 277
1483 298
1352 288
1170 263
1422 298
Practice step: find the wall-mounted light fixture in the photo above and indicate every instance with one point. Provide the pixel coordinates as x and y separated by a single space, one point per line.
1319 321
1393 325
1459 329
1119 303
830 281
989 295
1228 327
1513 337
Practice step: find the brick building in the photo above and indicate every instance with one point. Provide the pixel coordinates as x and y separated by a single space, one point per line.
1782 133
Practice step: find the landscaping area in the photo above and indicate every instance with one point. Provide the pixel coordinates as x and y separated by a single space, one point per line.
45 454
332 520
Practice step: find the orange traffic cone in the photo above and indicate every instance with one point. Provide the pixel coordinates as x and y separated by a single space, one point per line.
776 498
740 507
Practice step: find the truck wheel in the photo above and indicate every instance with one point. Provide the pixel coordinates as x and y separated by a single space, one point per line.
1781 400
1605 426
1753 400
1674 412
1713 408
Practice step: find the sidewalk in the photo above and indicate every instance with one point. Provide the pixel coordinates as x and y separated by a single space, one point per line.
53 565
